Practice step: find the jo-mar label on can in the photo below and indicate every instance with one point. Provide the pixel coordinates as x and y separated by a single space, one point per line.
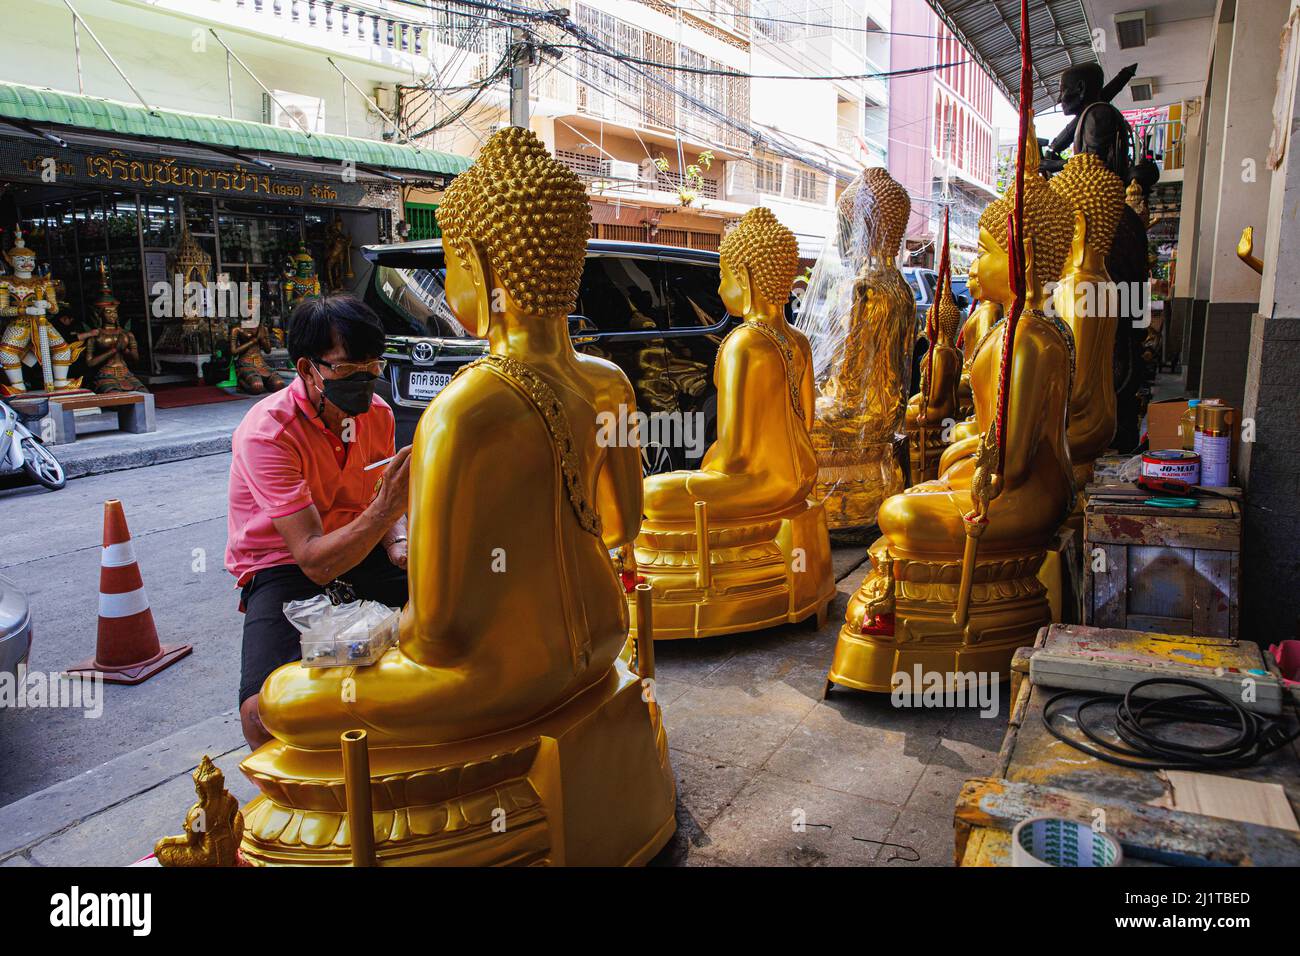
1172 463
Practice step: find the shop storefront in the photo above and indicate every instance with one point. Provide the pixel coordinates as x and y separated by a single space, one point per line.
243 228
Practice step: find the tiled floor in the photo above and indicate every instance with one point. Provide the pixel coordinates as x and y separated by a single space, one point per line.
769 773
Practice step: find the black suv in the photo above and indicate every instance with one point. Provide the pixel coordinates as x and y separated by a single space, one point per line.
652 310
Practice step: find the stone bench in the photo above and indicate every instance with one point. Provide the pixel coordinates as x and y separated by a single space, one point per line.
135 413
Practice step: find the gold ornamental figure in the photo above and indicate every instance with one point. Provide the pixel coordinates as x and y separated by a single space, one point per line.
1090 305
213 825
860 318
932 411
110 346
299 281
504 727
738 545
954 585
28 336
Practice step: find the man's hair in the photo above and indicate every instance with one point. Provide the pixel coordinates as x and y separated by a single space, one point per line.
318 324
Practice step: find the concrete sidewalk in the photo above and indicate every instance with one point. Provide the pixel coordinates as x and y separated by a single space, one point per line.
192 431
754 746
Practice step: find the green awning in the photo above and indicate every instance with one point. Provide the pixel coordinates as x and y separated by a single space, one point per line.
36 105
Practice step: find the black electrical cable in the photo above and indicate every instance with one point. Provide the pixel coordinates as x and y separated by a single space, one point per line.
1135 720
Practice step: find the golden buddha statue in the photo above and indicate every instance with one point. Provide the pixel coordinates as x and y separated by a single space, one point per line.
1136 199
110 346
737 545
1097 196
503 727
934 408
213 825
862 394
25 299
983 316
909 610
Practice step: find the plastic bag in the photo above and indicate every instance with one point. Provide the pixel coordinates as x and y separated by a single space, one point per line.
337 635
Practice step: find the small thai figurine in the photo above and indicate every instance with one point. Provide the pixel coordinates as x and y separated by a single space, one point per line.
932 411
250 339
29 336
504 726
111 347
954 583
737 545
1135 198
213 826
983 317
338 256
1081 299
299 279
862 340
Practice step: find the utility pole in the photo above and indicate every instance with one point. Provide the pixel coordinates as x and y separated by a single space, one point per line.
522 57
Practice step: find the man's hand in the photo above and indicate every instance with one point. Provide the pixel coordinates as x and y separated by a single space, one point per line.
397 553
393 492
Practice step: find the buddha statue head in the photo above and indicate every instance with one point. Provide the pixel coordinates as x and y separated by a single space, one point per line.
947 317
1090 187
21 259
1049 228
515 227
759 261
873 213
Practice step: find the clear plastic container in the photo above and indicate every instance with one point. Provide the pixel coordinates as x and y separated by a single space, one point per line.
1187 425
343 635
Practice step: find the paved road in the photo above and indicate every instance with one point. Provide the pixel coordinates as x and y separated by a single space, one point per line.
51 546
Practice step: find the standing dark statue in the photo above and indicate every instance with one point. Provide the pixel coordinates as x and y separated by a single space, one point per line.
1101 129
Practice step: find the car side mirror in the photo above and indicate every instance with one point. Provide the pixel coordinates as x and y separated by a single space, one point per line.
962 301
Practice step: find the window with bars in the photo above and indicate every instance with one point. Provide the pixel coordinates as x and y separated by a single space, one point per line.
423 220
804 185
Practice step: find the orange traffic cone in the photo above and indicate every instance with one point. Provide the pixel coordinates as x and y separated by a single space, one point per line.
127 649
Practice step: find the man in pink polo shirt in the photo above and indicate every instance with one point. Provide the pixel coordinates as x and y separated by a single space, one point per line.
305 516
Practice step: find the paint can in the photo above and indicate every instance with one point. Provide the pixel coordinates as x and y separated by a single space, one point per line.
1174 463
1214 434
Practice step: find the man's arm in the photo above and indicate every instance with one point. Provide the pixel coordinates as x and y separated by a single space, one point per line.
323 557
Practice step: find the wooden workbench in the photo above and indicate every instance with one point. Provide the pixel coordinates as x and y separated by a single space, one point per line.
1037 774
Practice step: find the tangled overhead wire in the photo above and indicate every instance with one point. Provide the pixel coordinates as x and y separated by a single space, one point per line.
1136 719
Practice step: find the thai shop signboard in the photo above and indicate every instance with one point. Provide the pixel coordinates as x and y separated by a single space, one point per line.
112 168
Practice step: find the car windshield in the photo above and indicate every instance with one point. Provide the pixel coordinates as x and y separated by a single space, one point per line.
418 301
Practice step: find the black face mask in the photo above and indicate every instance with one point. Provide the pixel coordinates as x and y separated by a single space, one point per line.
351 395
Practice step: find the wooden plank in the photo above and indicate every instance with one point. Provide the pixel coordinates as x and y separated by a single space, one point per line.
1130 489
1145 832
1170 529
1110 589
77 402
1213 589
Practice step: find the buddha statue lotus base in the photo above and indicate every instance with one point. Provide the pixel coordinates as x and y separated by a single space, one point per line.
1008 606
854 477
757 573
588 784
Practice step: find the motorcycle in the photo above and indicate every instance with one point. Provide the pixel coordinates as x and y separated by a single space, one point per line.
20 450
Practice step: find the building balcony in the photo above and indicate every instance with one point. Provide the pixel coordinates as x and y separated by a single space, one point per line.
386 35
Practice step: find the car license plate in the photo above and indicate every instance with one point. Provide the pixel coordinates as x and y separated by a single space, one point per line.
427 384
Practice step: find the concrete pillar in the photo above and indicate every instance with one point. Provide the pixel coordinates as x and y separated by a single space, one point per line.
1243 195
1178 324
1270 465
1213 112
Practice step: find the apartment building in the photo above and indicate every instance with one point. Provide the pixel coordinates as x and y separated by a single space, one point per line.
943 146
673 153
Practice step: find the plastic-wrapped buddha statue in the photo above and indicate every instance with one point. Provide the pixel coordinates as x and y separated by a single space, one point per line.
503 727
865 334
1097 197
28 336
737 545
936 402
904 613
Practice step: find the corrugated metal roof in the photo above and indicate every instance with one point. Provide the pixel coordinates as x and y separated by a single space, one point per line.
40 105
1059 37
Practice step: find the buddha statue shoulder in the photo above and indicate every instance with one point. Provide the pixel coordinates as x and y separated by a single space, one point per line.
861 318
738 545
516 619
905 613
762 462
1085 302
